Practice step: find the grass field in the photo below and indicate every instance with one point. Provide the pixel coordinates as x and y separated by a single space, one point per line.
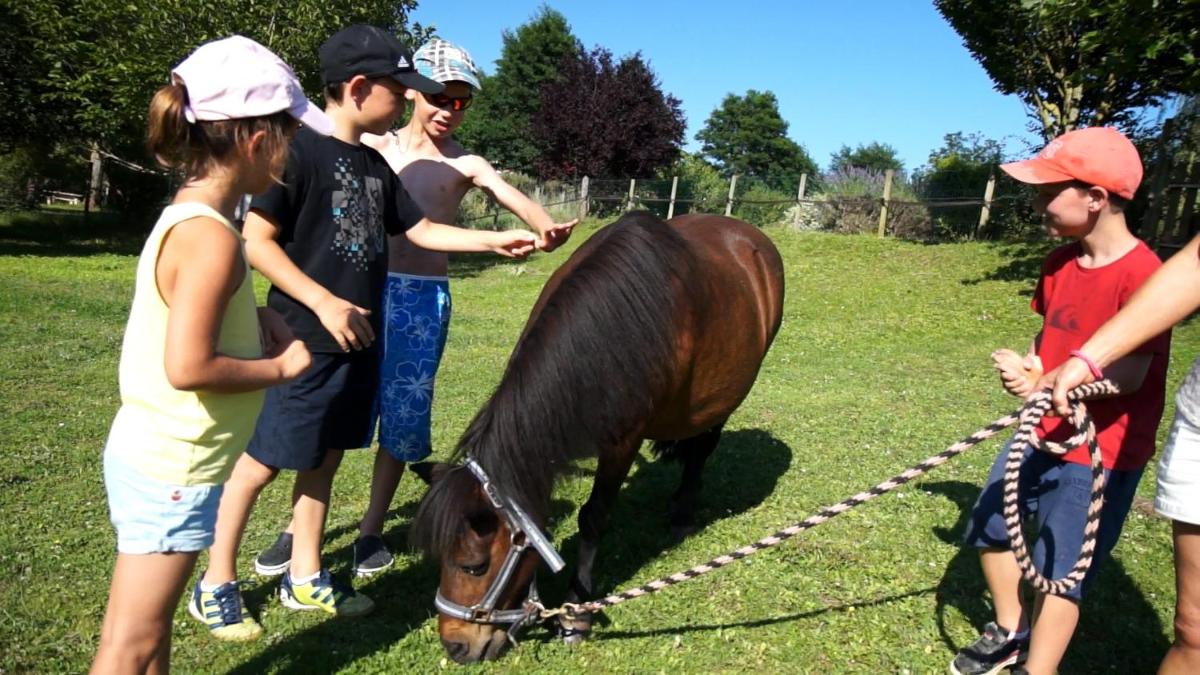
882 360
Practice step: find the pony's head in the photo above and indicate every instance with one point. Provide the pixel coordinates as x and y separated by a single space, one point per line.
486 570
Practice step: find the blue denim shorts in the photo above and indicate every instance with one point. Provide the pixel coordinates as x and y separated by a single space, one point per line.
151 516
1055 495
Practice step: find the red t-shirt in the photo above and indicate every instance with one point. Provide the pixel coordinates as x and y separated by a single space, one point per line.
1075 302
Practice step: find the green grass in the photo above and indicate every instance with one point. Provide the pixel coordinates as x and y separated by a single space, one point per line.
882 360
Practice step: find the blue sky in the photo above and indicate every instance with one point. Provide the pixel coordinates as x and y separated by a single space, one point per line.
845 72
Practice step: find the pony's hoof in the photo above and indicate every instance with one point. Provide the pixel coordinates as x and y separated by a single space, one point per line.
574 631
574 637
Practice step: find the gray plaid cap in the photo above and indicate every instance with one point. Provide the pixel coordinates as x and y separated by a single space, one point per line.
443 62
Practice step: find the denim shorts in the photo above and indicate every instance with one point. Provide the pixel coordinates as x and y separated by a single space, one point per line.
1055 495
151 516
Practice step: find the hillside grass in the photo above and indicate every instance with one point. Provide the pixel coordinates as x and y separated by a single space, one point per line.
882 360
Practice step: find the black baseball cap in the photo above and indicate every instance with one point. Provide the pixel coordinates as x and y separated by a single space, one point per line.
371 52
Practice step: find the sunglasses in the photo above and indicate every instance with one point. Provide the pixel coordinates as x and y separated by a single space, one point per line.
448 102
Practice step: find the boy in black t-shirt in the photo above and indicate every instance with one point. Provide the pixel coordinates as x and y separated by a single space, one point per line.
321 239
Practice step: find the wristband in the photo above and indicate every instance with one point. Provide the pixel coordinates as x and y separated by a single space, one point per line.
1095 369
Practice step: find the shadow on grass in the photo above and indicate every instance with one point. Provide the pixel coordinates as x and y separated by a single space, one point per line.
403 599
799 616
1023 263
1113 613
741 474
69 233
404 602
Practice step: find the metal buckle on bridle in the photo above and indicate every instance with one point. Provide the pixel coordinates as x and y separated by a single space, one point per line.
523 533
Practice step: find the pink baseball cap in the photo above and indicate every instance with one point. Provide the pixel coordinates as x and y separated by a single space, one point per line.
1097 156
236 78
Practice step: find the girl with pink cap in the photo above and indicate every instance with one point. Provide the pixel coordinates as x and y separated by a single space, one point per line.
197 352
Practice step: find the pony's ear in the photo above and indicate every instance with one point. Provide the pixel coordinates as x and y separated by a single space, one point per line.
483 525
430 472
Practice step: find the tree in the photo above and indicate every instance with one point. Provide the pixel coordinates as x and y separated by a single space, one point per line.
95 64
500 124
1082 63
877 157
606 119
747 136
960 170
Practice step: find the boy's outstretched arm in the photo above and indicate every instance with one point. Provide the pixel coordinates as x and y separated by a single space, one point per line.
346 321
441 237
486 178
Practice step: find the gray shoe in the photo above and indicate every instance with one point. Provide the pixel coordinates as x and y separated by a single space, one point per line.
371 555
992 652
275 560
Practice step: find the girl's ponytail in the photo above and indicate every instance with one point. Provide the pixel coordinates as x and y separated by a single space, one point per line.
169 135
198 147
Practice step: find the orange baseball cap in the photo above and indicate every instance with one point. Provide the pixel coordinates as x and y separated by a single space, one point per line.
1097 156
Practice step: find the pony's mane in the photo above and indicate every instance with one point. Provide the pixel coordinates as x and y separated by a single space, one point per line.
584 374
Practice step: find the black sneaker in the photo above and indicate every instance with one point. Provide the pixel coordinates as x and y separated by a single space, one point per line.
991 653
275 560
371 555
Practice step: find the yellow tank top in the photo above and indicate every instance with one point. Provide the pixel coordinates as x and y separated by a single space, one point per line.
181 437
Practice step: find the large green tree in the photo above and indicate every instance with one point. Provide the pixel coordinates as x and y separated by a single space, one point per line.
499 125
874 156
1077 63
79 74
747 136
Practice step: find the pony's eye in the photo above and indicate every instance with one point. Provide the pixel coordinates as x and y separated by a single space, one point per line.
476 570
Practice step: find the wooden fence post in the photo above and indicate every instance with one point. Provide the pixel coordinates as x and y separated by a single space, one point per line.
887 197
985 211
799 200
583 198
96 182
632 187
671 204
729 199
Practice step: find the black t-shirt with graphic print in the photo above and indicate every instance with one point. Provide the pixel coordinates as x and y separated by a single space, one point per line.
337 204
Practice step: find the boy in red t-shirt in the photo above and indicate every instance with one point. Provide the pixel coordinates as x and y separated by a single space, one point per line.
1084 180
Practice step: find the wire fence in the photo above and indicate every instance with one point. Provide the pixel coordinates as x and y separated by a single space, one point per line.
886 204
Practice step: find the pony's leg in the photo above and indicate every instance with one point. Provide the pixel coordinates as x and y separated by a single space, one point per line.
693 452
611 472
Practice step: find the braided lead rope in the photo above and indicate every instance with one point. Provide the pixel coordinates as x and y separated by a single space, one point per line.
1025 436
572 609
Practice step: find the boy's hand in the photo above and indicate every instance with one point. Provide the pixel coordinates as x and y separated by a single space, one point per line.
346 321
293 360
556 235
274 331
1018 374
513 243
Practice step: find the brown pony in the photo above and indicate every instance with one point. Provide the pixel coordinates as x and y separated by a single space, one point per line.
651 330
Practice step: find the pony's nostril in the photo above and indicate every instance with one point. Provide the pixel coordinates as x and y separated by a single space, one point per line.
456 650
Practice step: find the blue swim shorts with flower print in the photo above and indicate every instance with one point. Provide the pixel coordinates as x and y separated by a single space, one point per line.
417 319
